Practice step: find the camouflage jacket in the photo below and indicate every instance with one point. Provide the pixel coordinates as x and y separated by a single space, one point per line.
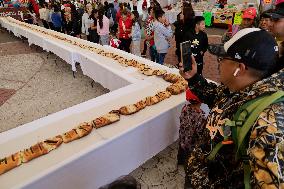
265 148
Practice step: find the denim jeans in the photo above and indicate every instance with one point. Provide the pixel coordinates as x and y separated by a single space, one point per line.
162 57
136 48
104 39
154 54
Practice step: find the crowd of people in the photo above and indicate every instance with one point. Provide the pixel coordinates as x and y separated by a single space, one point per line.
116 25
228 148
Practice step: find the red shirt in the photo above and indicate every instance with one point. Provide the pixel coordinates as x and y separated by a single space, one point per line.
118 16
150 30
128 26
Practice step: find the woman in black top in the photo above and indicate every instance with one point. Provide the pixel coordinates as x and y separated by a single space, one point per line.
94 37
183 26
76 28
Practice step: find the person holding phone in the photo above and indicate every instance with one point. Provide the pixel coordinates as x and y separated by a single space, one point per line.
249 69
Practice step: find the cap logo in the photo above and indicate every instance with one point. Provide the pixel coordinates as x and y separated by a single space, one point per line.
247 52
276 48
237 56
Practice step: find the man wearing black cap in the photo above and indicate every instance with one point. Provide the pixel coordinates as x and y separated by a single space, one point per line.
248 70
277 16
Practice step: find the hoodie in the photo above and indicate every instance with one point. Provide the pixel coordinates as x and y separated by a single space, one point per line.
265 144
162 35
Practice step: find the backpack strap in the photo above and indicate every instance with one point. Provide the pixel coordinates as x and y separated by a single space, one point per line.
242 122
255 109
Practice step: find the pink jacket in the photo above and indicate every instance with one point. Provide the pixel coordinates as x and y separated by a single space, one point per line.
105 29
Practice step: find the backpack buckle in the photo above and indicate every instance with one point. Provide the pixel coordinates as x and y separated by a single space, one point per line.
227 142
239 123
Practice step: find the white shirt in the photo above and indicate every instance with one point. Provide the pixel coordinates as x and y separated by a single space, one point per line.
86 23
43 14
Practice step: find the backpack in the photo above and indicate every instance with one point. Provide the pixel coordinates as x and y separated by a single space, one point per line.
241 124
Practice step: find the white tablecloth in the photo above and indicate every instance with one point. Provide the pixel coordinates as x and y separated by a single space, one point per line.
106 153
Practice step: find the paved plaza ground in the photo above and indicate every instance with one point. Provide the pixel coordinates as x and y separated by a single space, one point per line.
34 85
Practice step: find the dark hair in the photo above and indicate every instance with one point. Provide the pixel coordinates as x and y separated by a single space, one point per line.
56 8
198 19
124 12
111 5
92 16
188 12
149 9
120 6
136 18
159 13
126 182
100 17
265 14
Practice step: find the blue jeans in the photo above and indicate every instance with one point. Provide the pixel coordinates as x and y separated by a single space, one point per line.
154 54
162 57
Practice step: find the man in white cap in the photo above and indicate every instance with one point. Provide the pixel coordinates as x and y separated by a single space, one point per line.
240 149
277 16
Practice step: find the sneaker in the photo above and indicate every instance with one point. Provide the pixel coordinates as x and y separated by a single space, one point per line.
143 55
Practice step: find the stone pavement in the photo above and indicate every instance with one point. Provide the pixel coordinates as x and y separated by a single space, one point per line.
32 86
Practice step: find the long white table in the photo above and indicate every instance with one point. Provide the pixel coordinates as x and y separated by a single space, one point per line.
106 153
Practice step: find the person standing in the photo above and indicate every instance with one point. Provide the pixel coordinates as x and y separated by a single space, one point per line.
134 3
56 19
248 72
162 35
111 14
87 21
94 37
199 42
50 12
136 33
149 34
76 27
179 28
265 22
103 27
44 14
125 28
248 19
277 16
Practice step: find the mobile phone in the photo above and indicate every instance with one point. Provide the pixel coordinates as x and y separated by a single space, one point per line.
185 50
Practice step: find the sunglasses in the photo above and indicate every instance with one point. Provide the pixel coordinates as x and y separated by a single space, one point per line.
220 59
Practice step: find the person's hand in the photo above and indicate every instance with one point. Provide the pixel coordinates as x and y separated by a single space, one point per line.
189 74
167 23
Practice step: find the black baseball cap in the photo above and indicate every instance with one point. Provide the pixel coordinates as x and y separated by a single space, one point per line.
277 13
254 47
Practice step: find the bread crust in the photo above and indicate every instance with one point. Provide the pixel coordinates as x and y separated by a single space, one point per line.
70 136
10 162
105 120
52 143
33 152
129 109
84 129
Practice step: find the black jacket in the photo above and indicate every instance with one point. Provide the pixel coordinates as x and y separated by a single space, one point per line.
199 43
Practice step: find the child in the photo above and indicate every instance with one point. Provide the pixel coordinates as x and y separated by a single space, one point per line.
162 35
136 33
199 42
